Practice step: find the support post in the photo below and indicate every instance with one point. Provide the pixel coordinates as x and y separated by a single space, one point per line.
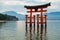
30 17
34 22
37 19
26 19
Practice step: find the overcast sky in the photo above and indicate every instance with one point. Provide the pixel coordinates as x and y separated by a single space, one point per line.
18 5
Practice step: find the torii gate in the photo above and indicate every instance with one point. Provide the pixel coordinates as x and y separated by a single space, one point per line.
41 16
36 10
38 16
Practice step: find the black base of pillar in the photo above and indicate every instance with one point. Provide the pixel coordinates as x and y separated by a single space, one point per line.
41 28
45 28
34 29
30 25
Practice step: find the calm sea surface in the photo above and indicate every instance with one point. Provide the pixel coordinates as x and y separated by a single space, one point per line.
15 30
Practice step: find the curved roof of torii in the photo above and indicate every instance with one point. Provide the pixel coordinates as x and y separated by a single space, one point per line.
38 6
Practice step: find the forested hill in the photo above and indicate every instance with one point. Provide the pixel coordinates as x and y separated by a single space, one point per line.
7 17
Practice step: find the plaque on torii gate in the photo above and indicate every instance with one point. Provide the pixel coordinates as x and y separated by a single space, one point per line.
36 10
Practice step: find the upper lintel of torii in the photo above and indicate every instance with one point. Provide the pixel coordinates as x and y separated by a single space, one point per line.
38 6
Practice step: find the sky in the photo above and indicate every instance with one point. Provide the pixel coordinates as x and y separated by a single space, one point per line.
18 5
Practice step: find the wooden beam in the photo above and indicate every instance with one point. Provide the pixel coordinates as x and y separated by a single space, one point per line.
38 11
29 17
43 17
38 6
39 17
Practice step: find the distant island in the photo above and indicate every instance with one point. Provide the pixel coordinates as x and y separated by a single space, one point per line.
53 16
6 17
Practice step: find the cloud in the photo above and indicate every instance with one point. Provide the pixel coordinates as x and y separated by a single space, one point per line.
41 0
18 5
22 2
8 0
47 0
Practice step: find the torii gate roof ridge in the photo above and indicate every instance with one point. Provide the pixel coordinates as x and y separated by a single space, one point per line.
38 6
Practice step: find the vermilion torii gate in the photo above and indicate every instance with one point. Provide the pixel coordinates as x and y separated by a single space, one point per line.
40 17
36 10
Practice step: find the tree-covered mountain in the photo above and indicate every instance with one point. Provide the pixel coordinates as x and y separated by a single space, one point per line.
7 17
19 16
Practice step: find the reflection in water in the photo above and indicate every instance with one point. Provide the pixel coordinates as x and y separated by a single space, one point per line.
16 31
45 29
2 23
26 33
37 31
30 32
20 30
34 29
8 31
35 36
